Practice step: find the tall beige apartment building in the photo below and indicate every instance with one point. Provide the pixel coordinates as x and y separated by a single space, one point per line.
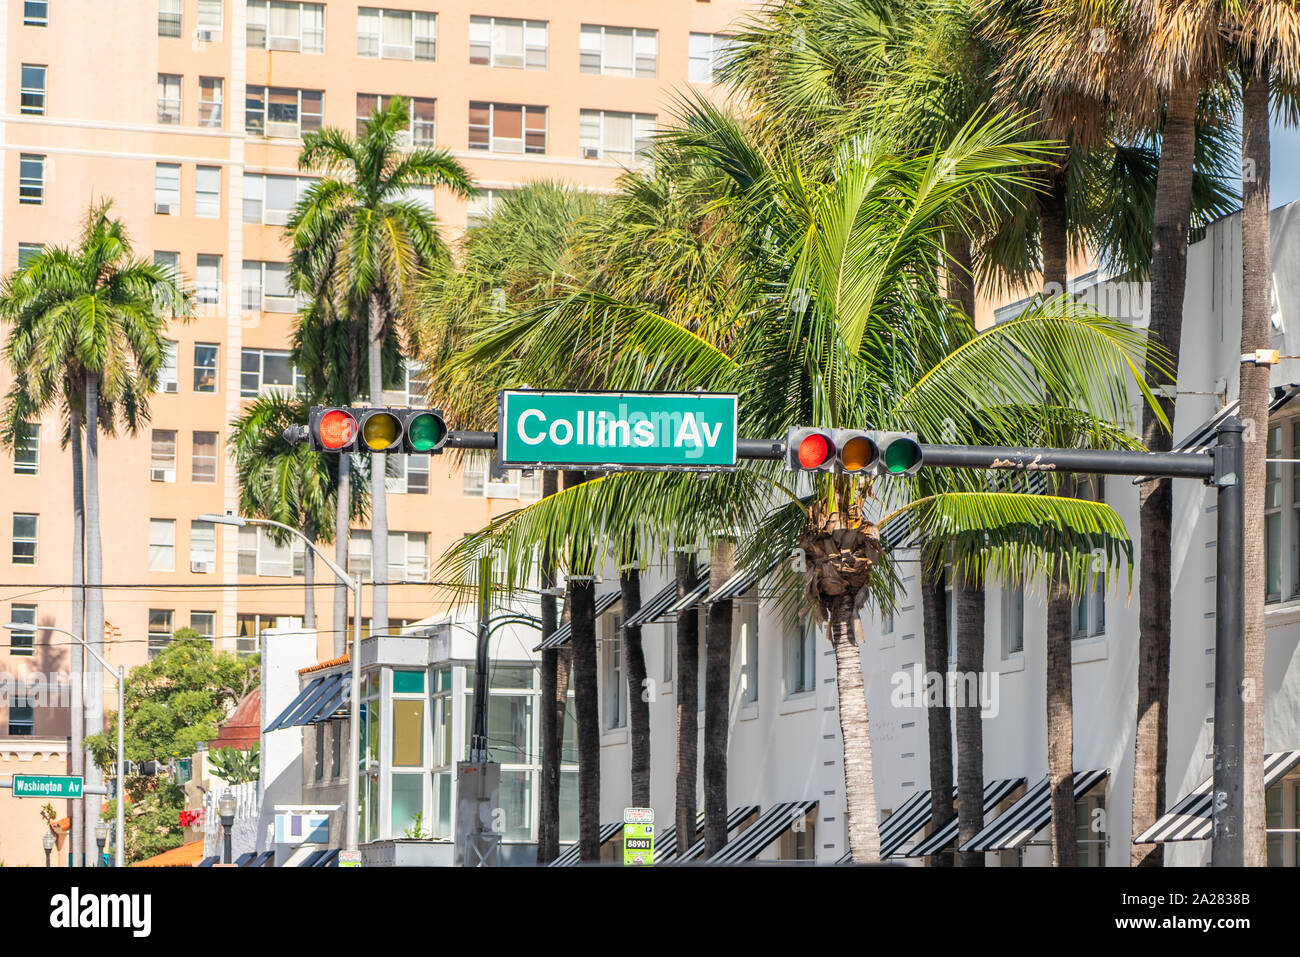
189 115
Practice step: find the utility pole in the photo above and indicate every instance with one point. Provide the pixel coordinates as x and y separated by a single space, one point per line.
1227 845
478 780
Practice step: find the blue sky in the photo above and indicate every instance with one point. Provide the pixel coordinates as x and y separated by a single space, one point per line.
1285 187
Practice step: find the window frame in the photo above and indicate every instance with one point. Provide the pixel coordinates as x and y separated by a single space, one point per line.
202 555
263 128
22 642
161 528
800 660
39 95
196 458
171 12
27 449
31 191
30 19
209 33
494 143
207 201
207 292
428 38
1012 625
263 297
170 108
212 110
158 463
262 387
283 43
636 121
162 189
158 639
494 57
602 68
202 368
710 58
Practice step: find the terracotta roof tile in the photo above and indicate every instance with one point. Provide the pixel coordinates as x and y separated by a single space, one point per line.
322 665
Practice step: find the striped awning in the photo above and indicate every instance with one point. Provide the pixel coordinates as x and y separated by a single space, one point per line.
739 583
209 861
691 598
261 860
906 822
336 701
571 856
1202 438
243 860
1191 819
562 634
666 841
313 859
654 609
1018 823
994 794
771 824
309 702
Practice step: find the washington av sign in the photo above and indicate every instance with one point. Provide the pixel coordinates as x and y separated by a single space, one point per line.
628 430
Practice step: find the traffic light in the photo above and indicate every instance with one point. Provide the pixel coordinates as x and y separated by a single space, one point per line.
852 451
336 429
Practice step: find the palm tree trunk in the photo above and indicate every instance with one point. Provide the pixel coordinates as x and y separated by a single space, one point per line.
717 699
969 598
378 492
638 693
342 522
1168 285
309 577
855 731
582 605
548 811
78 663
1256 333
938 714
94 601
688 693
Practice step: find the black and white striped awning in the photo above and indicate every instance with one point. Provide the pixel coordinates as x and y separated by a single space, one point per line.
1202 438
1018 823
562 634
771 824
739 583
691 598
571 856
666 841
994 794
654 609
903 824
1191 819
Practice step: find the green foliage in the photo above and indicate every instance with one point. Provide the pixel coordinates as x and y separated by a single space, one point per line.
416 831
152 817
235 765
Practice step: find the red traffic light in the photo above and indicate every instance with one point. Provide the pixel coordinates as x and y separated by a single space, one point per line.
815 450
337 429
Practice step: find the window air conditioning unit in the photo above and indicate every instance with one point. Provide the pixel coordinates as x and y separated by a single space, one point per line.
398 52
591 152
277 217
172 387
162 475
165 209
203 568
290 44
209 36
282 129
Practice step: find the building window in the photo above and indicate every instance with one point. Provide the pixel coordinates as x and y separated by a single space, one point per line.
36 13
297 27
205 367
27 449
515 44
1088 611
203 462
283 111
615 696
1013 619
249 628
212 94
271 200
1090 829
359 552
160 629
162 545
210 21
22 716
169 98
397 34
167 189
507 127
412 389
28 252
205 623
408 474
203 548
408 556
482 206
618 137
264 371
169 18
800 658
619 51
32 100
31 179
207 280
22 642
167 375
707 52
169 261
207 191
24 539
162 461
421 127
748 608
477 480
259 554
265 287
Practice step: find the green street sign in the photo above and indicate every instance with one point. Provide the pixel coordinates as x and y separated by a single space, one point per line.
627 430
47 786
638 836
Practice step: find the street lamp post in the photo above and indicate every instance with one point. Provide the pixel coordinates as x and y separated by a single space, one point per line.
119 675
101 836
226 808
354 723
47 842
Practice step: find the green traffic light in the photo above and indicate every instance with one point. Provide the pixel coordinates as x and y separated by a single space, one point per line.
902 456
425 431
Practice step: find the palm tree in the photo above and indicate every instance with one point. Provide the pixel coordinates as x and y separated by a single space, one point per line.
288 483
88 324
826 283
360 242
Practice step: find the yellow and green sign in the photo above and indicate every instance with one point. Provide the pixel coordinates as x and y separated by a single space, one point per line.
638 836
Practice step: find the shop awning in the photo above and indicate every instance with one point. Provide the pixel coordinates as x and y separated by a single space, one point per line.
691 598
1191 819
243 860
562 634
340 697
739 583
187 855
906 822
209 861
260 860
318 693
995 792
770 825
663 601
315 857
1018 823
571 856
329 859
666 841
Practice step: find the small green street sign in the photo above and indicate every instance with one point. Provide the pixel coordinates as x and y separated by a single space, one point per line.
47 786
647 430
638 836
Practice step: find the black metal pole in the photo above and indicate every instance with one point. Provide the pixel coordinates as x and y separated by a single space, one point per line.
1227 844
229 828
478 733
